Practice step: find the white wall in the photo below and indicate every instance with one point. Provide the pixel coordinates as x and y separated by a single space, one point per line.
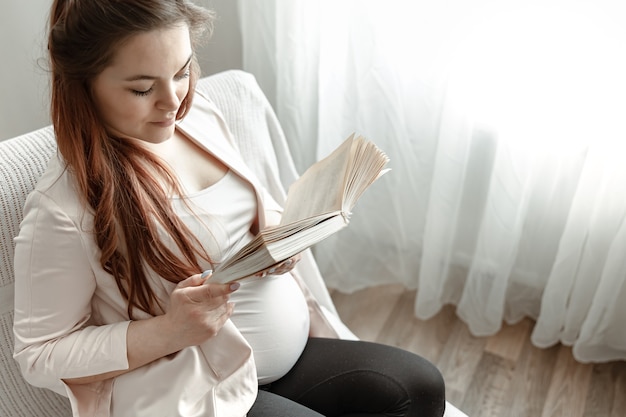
23 80
223 50
24 92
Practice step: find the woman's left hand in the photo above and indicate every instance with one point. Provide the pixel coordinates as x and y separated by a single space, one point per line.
281 267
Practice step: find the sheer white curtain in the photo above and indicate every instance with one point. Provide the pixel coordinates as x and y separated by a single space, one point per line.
504 122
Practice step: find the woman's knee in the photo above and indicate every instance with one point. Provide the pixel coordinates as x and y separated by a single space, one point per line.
364 375
429 391
420 378
426 385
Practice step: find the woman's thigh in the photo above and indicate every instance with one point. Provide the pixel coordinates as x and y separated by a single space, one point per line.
356 378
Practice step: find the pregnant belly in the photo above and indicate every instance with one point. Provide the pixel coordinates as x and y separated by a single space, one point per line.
271 313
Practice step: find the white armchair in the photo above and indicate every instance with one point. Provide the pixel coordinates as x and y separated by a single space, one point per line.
22 161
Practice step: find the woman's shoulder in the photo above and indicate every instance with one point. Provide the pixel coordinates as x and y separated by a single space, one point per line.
57 187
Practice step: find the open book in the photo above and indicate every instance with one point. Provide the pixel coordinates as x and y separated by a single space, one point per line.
318 204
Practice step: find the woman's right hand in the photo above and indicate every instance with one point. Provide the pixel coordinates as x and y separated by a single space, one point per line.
196 313
198 310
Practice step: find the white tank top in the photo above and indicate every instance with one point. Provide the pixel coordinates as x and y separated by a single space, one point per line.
271 312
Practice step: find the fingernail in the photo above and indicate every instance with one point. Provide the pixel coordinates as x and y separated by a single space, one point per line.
288 262
272 270
206 273
234 286
264 274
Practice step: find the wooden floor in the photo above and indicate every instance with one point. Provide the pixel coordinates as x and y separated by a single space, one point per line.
498 376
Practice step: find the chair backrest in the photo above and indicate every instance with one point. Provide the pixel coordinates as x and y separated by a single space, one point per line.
22 161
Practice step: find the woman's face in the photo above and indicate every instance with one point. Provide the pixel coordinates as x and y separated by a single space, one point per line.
139 94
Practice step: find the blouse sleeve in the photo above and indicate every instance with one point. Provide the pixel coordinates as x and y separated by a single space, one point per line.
54 286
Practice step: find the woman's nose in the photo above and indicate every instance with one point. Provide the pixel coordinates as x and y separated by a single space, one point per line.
169 100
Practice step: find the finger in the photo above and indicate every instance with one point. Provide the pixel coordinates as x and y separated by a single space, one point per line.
278 268
196 279
295 259
289 264
192 281
264 273
212 290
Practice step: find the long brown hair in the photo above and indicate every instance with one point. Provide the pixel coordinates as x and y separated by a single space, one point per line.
129 204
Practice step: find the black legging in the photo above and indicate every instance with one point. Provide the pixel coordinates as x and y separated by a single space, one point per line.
336 378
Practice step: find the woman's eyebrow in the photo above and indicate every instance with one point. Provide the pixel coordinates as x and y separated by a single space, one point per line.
152 77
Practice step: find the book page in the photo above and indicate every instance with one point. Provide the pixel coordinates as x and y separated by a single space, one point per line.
320 189
368 163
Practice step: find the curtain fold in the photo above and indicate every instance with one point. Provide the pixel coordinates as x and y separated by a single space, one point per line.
502 119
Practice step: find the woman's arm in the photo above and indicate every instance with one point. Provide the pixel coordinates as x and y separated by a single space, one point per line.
55 338
197 312
54 287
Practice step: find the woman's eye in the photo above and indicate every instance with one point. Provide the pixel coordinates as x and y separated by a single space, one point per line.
178 77
182 76
142 93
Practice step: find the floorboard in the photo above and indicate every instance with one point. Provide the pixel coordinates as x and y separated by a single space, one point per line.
503 375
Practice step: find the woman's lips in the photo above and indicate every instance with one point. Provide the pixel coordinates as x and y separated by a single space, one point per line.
165 123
